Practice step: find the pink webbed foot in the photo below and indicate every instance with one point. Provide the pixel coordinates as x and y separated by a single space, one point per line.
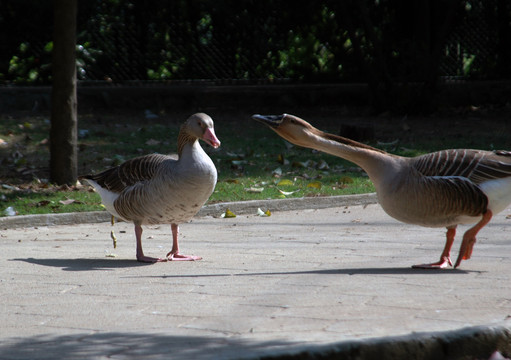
444 262
180 257
174 255
445 258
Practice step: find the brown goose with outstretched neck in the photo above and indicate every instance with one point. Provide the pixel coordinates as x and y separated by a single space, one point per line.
440 189
162 189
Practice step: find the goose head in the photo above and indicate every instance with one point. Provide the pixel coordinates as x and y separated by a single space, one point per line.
290 127
200 126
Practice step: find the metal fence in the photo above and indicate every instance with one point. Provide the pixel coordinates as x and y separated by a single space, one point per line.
247 41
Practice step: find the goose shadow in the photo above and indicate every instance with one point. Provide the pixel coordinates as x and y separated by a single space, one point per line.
344 272
84 264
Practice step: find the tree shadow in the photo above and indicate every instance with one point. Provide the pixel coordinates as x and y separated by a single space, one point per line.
134 346
476 342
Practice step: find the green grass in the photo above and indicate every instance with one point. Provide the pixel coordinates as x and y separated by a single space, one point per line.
47 201
252 163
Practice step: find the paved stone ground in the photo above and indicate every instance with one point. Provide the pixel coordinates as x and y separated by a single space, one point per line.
311 283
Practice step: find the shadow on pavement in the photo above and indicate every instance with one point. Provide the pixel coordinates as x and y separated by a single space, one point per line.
466 343
132 346
85 264
105 264
349 271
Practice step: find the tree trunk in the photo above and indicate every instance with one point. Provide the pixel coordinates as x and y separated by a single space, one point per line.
64 122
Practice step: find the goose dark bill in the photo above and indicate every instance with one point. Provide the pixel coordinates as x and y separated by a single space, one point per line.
270 120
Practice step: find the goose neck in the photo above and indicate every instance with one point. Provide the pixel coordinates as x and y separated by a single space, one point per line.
375 162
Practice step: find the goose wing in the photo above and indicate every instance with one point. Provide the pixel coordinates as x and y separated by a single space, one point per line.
129 173
454 177
475 165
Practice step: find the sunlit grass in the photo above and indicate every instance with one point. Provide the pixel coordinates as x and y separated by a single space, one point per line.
260 188
25 202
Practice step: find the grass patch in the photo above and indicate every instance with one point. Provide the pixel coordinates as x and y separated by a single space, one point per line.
252 163
51 200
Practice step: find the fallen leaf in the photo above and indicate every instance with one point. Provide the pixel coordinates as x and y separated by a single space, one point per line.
232 181
263 213
239 156
239 162
254 190
114 238
152 142
10 211
9 187
228 214
286 193
323 165
83 133
314 184
149 115
277 172
285 182
69 202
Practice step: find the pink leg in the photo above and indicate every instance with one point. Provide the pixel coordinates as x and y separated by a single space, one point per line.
445 258
174 254
140 253
469 238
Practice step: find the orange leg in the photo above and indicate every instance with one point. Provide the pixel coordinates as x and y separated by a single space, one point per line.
469 238
445 258
174 254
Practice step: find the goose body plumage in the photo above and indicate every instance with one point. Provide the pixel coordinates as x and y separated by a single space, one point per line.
448 187
440 189
162 189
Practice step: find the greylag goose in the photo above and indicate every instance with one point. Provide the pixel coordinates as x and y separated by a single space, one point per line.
154 189
440 189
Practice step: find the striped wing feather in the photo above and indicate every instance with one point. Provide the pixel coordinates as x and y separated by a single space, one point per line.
476 165
456 174
129 173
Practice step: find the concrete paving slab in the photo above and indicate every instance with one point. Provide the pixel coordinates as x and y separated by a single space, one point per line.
322 283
